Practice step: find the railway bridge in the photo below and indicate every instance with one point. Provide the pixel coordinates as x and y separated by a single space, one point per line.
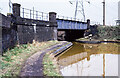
69 29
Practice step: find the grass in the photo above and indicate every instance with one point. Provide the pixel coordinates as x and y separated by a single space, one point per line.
49 67
13 60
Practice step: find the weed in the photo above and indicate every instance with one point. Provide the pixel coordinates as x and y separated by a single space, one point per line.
13 59
4 65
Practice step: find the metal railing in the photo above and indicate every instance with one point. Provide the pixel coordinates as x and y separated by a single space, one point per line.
68 18
33 14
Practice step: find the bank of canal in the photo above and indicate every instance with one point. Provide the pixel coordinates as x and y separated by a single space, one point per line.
84 59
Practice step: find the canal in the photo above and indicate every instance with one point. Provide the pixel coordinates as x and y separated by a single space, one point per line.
90 60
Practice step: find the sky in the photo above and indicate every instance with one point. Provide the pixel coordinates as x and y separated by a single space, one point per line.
93 11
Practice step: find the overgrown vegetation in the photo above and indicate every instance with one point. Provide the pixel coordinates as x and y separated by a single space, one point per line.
12 60
108 32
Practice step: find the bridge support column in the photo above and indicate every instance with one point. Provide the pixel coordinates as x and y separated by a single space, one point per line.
53 23
16 14
88 23
16 9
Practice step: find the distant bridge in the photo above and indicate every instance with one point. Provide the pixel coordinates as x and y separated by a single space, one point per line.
71 29
68 28
62 21
25 25
71 24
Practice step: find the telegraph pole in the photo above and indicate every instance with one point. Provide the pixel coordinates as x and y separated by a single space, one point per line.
103 12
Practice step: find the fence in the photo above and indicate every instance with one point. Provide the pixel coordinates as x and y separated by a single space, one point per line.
33 14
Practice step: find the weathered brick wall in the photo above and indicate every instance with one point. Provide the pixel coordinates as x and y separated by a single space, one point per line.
26 34
29 30
9 37
8 33
24 31
44 33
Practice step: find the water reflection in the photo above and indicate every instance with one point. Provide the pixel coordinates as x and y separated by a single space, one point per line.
90 60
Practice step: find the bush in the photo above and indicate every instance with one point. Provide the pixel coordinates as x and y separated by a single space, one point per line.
108 32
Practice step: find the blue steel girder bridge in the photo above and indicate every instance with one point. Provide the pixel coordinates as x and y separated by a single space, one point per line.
71 23
68 28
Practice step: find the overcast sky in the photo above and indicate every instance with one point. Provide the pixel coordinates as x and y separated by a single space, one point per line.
93 11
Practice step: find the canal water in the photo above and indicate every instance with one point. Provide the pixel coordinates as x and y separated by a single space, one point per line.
90 60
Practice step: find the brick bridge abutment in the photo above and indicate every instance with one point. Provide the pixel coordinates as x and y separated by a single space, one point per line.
18 30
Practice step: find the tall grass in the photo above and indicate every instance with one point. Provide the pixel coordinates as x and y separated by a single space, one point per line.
13 59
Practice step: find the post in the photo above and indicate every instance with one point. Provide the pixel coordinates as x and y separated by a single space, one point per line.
103 12
52 18
16 9
33 12
23 12
47 17
53 23
42 16
36 15
16 13
30 14
88 23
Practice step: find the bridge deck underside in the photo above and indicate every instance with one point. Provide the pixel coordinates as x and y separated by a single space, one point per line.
69 24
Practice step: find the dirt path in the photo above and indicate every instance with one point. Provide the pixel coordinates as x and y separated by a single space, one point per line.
33 66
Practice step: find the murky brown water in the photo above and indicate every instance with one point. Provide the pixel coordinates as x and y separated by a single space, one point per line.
90 60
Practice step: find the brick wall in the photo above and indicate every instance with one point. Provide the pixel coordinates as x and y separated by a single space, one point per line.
21 30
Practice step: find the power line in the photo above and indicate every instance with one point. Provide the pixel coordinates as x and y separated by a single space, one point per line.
79 8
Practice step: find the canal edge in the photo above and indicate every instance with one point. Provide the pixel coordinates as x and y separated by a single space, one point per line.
38 63
96 41
59 51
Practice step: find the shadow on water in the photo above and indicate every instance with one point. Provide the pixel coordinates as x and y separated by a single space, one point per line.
90 60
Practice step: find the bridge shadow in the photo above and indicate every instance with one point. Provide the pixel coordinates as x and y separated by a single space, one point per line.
69 35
